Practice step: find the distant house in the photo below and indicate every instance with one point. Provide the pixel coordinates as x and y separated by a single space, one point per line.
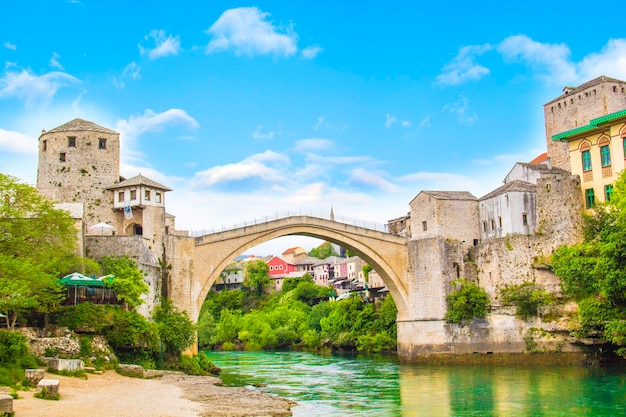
231 278
324 271
278 267
292 254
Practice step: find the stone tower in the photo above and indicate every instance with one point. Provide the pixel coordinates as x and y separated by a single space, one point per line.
576 107
77 162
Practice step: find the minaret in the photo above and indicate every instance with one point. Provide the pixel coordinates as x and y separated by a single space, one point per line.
332 214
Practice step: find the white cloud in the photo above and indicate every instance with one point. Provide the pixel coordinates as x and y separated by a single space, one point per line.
463 67
259 165
310 52
247 31
390 120
165 45
132 70
425 122
150 121
10 46
462 110
368 178
610 61
54 61
16 142
33 88
313 144
323 123
550 61
259 135
405 123
339 160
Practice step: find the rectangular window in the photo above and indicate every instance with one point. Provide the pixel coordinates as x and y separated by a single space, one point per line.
525 219
147 195
424 226
120 196
158 197
133 194
608 192
605 154
45 145
62 157
586 155
493 224
71 141
484 226
102 143
590 198
500 222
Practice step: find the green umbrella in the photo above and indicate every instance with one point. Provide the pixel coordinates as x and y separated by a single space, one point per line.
79 280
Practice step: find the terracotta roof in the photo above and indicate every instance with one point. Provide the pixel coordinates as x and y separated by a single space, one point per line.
77 125
139 180
450 195
541 158
511 187
592 83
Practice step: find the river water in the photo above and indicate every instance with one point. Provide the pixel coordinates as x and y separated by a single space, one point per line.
380 386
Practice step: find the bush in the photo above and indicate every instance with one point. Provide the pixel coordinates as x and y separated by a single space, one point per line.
14 351
86 317
468 302
528 298
197 365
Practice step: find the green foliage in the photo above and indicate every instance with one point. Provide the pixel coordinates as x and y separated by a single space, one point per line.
287 320
175 329
86 317
467 302
14 350
257 278
197 365
128 282
323 251
45 395
594 272
366 268
527 297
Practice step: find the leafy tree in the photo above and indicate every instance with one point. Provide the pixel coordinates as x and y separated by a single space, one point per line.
37 244
176 331
467 302
257 277
323 251
128 281
366 268
594 272
527 297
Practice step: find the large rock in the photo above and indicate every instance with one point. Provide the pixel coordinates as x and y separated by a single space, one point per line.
33 376
48 387
69 365
6 404
134 371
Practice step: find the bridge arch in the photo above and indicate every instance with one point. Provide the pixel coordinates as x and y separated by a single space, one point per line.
386 253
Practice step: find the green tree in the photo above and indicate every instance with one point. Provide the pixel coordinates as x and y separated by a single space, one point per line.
467 302
128 280
176 331
257 277
323 251
37 244
594 272
366 268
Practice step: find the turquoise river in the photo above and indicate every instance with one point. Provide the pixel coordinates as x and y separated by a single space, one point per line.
380 386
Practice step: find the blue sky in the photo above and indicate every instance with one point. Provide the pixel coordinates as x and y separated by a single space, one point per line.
252 109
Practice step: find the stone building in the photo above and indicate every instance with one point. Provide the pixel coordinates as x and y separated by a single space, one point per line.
576 108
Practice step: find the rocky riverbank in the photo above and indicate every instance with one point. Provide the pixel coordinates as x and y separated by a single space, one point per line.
172 394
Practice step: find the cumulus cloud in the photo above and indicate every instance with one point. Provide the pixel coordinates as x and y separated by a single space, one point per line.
265 166
611 61
131 71
248 31
461 109
16 142
33 88
54 61
550 61
390 120
259 135
150 121
165 45
313 144
10 46
362 177
463 67
310 52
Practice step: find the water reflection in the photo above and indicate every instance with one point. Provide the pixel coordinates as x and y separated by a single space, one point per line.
379 386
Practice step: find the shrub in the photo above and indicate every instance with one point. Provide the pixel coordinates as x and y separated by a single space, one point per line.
14 350
197 365
467 302
528 298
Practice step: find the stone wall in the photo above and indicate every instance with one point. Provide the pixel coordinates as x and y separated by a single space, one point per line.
136 248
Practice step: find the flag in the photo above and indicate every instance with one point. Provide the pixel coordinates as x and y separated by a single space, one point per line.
128 212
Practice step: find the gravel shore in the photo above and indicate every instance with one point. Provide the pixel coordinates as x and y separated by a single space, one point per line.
172 395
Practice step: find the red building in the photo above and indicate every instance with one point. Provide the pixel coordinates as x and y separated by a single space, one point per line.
278 267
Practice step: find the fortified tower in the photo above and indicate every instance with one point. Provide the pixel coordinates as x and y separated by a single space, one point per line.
575 108
77 162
